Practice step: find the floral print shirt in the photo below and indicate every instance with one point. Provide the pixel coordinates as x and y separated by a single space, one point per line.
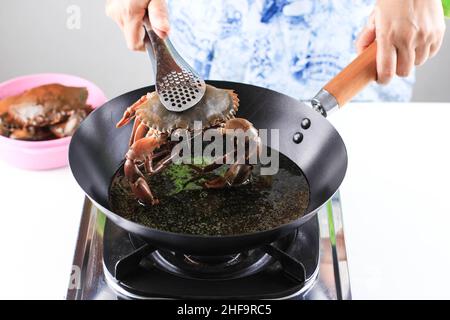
291 46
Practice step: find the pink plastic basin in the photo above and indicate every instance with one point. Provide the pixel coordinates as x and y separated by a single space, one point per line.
42 155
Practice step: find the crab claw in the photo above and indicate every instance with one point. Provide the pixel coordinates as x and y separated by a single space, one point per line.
237 174
141 152
130 112
68 127
142 190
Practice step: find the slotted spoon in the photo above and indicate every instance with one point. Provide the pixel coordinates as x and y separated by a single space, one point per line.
178 85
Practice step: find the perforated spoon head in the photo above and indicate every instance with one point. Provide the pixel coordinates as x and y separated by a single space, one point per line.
178 85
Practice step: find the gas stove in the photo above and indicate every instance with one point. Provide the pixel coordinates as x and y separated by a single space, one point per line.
308 264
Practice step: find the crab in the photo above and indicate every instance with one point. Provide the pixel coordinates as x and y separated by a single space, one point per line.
150 147
43 112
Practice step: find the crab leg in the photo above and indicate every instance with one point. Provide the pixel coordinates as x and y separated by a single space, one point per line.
141 131
138 153
149 161
133 131
239 172
130 112
163 163
68 127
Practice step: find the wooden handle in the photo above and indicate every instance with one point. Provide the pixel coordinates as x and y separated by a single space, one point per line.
358 74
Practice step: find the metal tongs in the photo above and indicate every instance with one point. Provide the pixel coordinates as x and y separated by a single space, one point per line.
178 85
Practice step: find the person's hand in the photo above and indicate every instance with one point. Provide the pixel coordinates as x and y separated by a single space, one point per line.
408 32
129 15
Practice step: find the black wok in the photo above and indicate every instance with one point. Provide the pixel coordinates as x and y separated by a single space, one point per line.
97 150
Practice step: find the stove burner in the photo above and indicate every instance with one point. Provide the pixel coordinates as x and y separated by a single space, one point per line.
218 260
223 267
208 267
270 271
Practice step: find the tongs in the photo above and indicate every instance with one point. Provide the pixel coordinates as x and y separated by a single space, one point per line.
178 85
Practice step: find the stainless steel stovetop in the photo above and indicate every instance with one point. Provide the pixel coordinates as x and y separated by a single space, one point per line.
106 265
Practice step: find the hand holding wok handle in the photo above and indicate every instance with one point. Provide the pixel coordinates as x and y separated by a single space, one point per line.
349 82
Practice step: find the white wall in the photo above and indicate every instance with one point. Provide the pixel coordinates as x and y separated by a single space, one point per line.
433 78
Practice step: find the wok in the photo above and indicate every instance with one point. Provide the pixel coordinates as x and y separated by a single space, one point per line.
98 148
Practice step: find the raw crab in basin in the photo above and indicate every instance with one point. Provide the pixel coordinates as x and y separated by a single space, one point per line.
42 112
150 146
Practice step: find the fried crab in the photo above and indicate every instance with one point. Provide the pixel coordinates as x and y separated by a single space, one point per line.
44 112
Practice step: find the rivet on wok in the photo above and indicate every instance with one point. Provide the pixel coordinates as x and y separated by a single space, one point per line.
306 123
298 137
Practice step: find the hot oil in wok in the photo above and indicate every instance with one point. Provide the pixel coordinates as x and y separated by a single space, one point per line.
187 208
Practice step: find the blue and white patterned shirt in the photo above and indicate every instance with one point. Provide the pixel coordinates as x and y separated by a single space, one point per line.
291 46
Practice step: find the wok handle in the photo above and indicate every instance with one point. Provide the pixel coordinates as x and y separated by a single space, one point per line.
349 82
